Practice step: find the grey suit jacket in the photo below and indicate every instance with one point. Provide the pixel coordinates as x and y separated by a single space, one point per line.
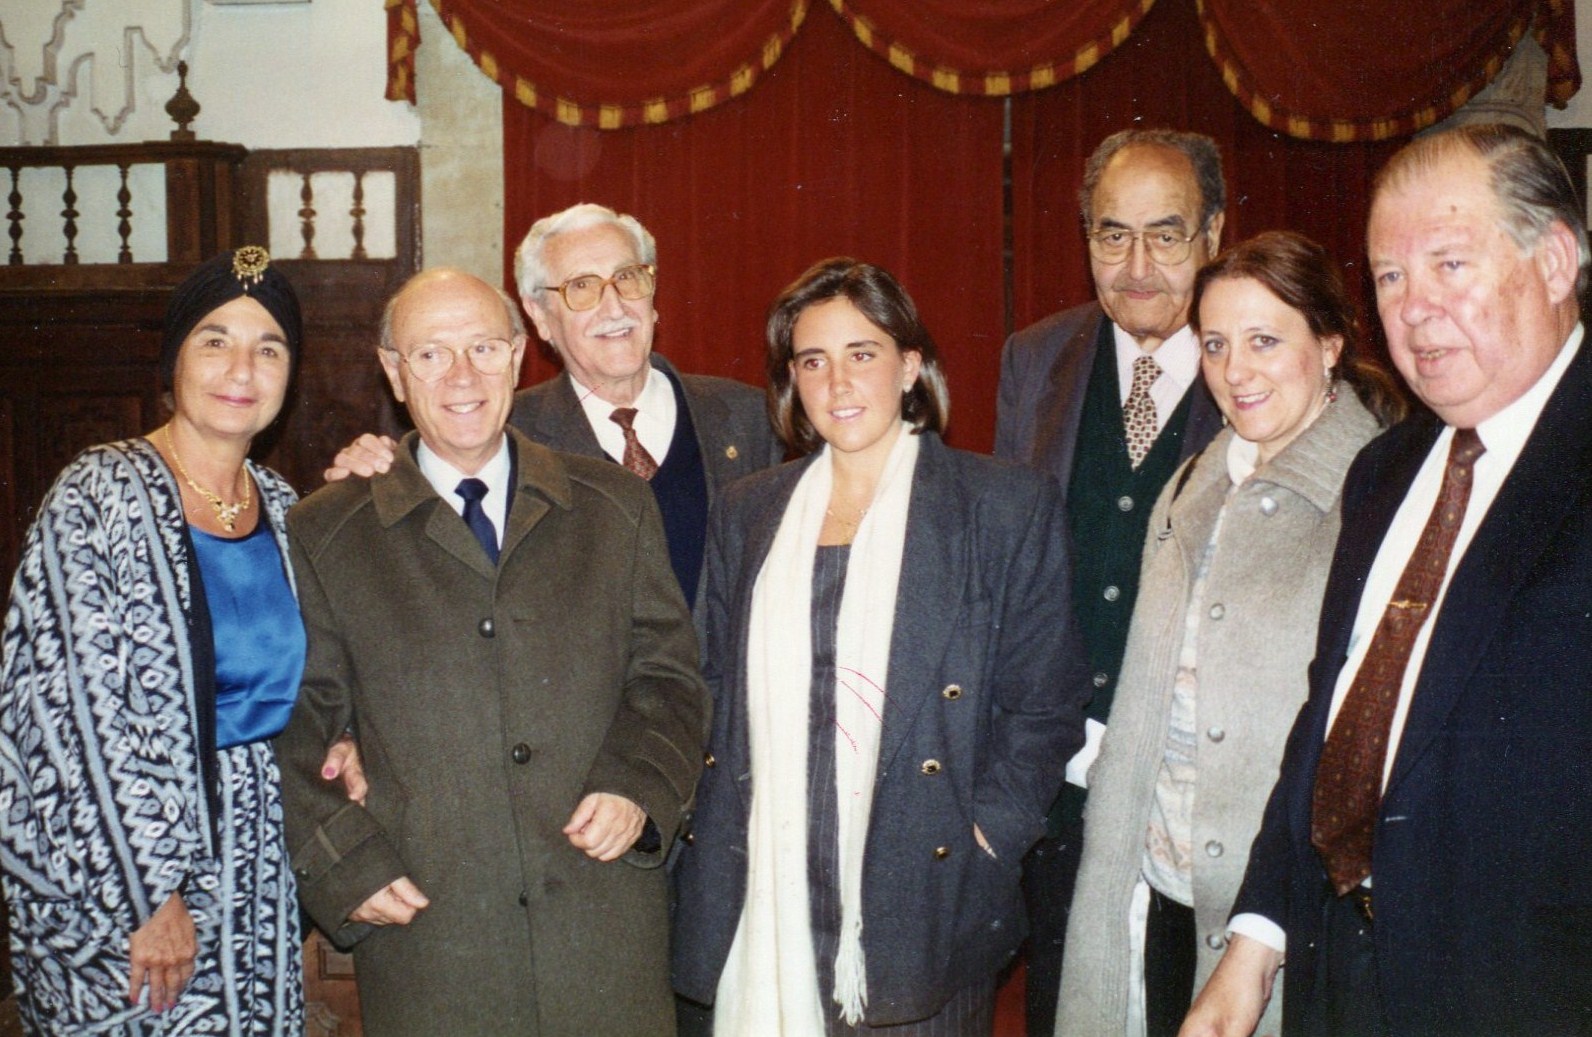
731 423
986 678
1044 372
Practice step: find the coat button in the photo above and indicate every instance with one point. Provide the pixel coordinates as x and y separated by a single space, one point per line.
1216 941
941 852
731 453
1124 503
689 838
1218 610
525 898
1101 680
931 767
1268 506
708 760
521 753
1111 593
485 628
1213 849
952 692
1215 733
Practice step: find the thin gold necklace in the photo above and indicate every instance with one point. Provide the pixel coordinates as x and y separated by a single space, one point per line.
226 514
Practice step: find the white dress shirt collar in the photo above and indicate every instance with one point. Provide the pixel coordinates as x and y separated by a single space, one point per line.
655 416
1179 359
444 478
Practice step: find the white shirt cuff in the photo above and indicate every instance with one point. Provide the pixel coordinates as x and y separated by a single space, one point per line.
1078 766
1259 927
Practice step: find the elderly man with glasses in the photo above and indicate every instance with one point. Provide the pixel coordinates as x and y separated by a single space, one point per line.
1107 397
587 276
498 625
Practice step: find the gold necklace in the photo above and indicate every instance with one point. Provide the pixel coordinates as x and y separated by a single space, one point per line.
226 514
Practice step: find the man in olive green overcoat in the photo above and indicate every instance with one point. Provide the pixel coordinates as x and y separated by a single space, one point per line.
499 626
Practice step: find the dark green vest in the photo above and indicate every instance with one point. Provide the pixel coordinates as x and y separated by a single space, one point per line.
1108 505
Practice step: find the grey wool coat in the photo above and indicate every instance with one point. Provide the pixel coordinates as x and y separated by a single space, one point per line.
487 702
1256 639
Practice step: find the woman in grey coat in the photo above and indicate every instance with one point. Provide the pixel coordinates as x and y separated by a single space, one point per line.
1234 565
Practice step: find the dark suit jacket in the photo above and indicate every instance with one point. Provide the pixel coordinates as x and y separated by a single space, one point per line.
1482 899
986 676
730 417
1044 372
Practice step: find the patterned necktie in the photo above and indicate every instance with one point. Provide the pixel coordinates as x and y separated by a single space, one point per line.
1138 411
1348 792
636 457
473 490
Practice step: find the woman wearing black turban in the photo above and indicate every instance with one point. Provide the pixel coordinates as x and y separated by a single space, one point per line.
152 648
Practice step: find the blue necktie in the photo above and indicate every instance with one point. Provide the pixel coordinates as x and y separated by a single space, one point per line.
472 490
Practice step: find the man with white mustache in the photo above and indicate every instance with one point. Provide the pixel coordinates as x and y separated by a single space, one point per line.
586 276
1107 397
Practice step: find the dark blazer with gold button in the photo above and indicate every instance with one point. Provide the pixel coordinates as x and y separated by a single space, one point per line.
488 700
986 677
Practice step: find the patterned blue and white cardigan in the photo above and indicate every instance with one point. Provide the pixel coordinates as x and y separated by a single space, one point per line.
104 784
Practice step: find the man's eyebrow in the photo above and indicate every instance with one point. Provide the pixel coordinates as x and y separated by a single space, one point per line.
1173 220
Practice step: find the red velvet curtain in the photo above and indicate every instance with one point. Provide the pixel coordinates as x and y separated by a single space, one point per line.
1160 77
834 153
1369 70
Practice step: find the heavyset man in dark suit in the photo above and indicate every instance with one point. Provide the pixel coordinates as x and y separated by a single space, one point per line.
699 433
1453 670
498 623
1153 204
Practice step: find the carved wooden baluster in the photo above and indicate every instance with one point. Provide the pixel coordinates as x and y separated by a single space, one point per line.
15 217
124 226
306 216
358 213
70 215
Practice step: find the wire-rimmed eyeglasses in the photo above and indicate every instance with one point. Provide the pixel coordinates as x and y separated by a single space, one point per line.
1165 245
584 291
430 362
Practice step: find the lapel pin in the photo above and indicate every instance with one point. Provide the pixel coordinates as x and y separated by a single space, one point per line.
731 453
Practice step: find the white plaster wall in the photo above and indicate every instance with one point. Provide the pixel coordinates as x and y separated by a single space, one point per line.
267 75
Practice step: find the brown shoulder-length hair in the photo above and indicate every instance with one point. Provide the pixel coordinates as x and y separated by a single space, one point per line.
1301 273
878 297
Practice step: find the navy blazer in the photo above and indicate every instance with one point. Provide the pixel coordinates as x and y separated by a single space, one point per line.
1483 844
986 676
1044 374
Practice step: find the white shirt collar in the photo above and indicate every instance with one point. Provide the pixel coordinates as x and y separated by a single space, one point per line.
444 478
655 416
1178 357
1505 433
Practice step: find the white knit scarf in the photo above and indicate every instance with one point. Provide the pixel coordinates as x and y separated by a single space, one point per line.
769 987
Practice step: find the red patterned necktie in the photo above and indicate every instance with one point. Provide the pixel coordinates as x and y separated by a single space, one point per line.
1138 410
1348 792
636 457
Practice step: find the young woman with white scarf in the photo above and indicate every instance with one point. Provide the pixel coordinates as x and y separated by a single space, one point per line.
897 684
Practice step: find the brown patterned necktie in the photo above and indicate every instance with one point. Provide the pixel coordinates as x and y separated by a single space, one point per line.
1348 792
636 457
1138 410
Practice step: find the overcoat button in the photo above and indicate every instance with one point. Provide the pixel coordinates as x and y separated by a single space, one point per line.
1100 680
689 838
1216 941
931 766
941 852
525 898
1125 503
1111 593
521 753
1216 734
485 628
1218 610
1268 506
708 760
1213 848
952 692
